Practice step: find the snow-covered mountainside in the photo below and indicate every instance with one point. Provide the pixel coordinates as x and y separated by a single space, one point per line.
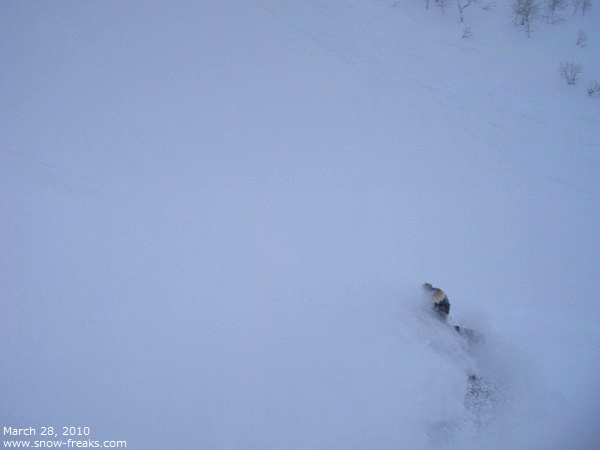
216 218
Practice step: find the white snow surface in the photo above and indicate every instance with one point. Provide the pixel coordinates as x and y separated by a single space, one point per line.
216 218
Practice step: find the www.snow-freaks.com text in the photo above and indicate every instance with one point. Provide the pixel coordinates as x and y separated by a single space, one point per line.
55 437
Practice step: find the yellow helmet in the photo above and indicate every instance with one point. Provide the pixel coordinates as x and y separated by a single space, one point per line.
438 295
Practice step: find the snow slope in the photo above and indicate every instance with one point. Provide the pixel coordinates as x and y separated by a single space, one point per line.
217 217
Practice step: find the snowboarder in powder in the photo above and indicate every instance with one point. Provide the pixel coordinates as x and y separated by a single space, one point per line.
441 305
478 396
439 299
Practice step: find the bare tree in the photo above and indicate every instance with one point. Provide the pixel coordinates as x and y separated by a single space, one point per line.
552 6
586 5
593 89
462 4
442 5
581 38
525 12
570 72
